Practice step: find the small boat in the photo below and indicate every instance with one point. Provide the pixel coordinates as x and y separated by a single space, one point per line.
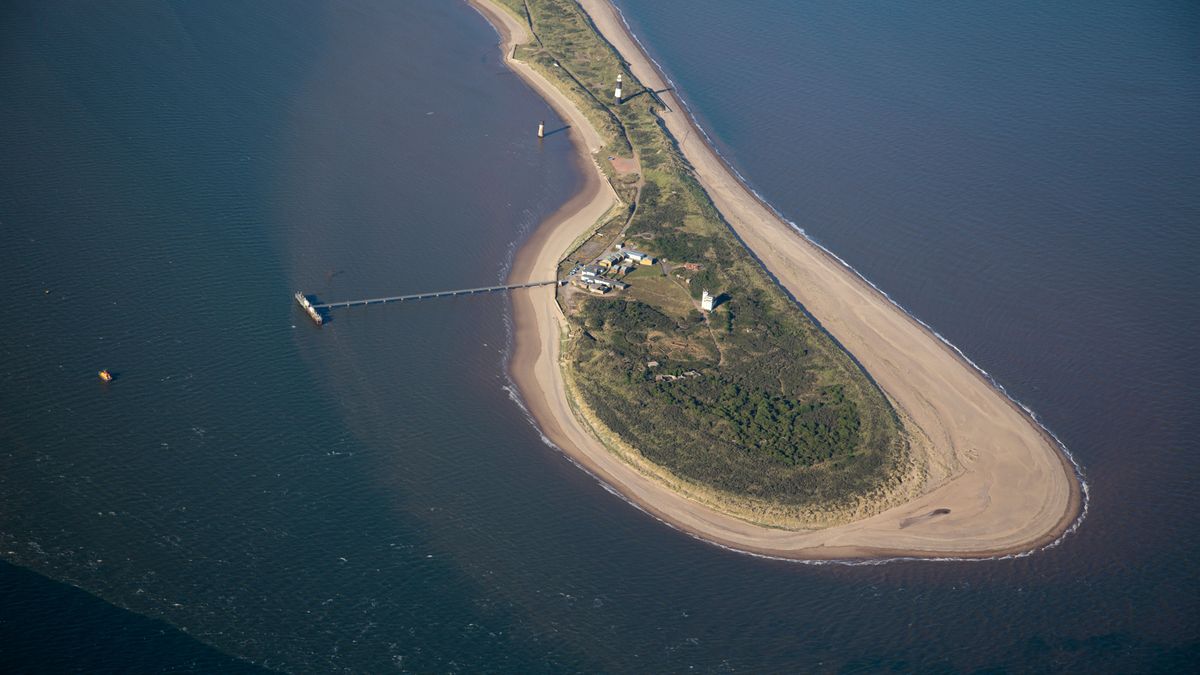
106 376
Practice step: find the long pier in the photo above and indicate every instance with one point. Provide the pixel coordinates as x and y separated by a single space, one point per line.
428 296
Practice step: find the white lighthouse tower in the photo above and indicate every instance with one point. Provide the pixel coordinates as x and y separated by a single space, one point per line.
617 93
706 301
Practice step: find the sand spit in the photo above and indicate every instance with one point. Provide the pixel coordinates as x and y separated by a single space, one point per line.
997 483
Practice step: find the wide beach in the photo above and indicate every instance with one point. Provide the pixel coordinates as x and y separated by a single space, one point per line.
997 483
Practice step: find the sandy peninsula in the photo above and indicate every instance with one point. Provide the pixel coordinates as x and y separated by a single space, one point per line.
995 484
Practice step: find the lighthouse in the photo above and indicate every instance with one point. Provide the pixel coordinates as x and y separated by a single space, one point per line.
542 129
617 93
706 301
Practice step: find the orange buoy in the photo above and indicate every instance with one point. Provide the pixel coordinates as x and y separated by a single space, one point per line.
106 376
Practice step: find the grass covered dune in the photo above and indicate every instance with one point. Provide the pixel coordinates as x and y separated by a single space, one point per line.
746 425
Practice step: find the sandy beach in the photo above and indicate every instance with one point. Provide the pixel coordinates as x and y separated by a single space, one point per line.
996 483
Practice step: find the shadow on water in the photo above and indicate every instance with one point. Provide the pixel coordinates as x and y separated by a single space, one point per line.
99 637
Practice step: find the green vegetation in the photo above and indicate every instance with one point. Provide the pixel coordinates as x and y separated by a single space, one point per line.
751 408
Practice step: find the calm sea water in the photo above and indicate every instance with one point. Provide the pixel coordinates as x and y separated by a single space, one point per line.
253 491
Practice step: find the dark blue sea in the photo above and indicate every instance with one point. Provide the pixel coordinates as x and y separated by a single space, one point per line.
254 492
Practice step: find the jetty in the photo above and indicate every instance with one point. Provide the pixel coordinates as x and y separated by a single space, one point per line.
314 309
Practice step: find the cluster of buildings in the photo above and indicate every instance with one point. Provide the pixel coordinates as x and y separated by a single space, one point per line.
593 278
626 258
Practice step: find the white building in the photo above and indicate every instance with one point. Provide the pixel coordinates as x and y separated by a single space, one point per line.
591 273
706 301
639 257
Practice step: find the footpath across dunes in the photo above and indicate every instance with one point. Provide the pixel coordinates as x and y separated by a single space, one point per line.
995 482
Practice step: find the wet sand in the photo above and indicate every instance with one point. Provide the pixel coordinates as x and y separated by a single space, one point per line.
996 482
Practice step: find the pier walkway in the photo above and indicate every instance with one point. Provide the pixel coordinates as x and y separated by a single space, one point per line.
435 294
